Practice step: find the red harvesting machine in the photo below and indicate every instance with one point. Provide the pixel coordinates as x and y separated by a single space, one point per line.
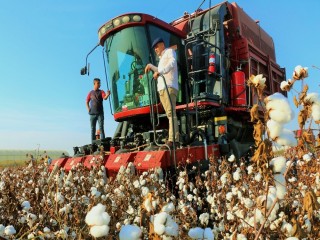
217 50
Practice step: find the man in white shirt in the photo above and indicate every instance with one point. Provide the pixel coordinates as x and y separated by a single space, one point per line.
168 68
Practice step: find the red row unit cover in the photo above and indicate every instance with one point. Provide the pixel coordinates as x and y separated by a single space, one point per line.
115 161
162 159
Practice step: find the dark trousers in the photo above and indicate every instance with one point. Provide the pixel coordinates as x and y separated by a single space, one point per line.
93 120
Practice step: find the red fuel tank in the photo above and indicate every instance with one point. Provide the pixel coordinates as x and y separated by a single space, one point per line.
238 89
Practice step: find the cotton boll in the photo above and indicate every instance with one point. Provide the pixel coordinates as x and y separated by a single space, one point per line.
306 157
97 216
286 138
172 228
300 72
59 198
292 179
99 231
145 191
160 218
94 192
280 183
315 112
204 218
231 158
190 197
292 238
281 116
30 236
259 81
208 234
25 206
284 85
259 216
130 210
286 228
250 169
234 190
241 237
229 196
278 164
196 233
9 230
168 208
307 224
258 177
248 203
274 128
130 232
224 178
237 175
159 229
312 98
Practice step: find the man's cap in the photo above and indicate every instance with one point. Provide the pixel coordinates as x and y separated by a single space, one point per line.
156 41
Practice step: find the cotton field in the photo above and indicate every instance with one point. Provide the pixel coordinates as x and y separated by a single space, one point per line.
231 200
271 195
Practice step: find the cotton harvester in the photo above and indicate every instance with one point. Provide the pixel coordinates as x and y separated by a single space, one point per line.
217 50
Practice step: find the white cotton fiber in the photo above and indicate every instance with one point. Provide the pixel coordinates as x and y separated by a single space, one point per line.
286 138
315 112
278 164
280 183
97 216
9 230
130 232
99 231
208 234
168 207
281 115
306 157
312 98
279 108
26 205
159 228
283 85
172 228
196 233
274 128
147 205
160 218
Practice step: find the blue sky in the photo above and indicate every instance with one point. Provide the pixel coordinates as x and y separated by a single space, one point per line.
43 45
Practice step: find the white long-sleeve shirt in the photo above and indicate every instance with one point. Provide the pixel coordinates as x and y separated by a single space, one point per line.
168 68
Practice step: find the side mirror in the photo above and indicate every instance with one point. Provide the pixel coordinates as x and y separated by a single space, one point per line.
83 70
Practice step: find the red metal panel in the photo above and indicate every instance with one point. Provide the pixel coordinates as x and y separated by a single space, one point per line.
60 162
115 161
194 154
72 162
94 160
147 160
